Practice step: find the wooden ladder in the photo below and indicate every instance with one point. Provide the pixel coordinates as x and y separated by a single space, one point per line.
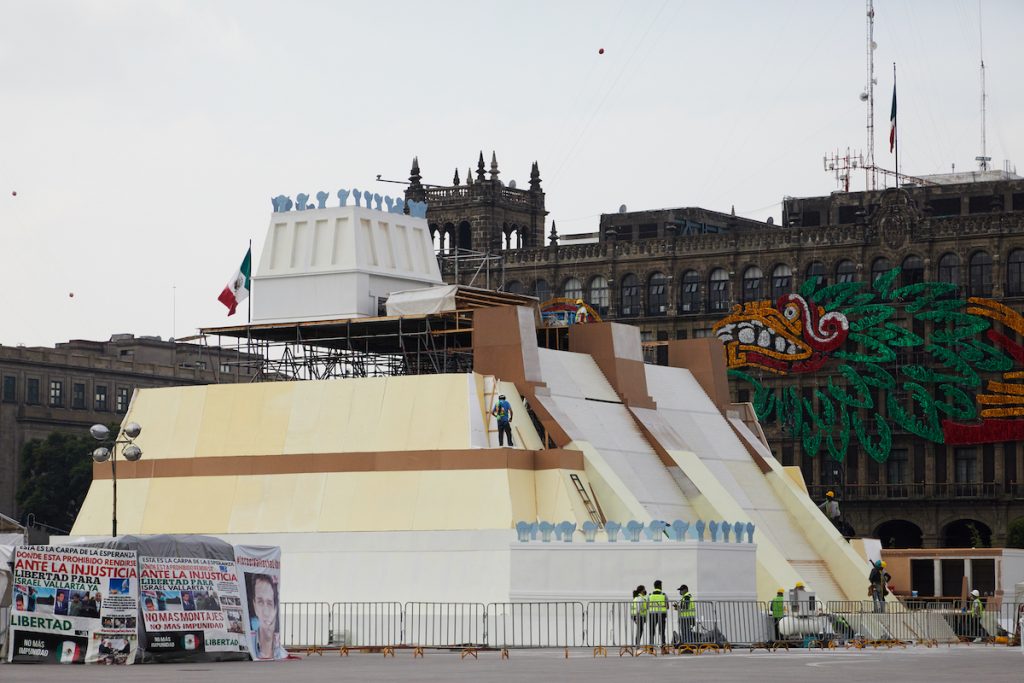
595 516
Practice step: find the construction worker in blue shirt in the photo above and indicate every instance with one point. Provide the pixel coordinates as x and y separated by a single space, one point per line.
638 610
503 411
657 610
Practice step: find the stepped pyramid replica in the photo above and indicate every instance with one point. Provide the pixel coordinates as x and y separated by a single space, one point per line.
374 465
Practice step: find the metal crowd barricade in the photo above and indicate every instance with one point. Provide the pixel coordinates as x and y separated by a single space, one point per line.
700 628
536 624
745 622
366 624
444 624
305 624
612 623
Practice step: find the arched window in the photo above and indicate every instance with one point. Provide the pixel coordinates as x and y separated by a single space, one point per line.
979 277
599 297
572 289
879 267
465 236
657 294
718 290
753 284
782 281
816 272
1015 273
515 287
542 290
949 268
846 271
912 271
689 292
629 297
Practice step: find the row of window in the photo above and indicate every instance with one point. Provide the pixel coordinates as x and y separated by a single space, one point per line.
754 285
56 397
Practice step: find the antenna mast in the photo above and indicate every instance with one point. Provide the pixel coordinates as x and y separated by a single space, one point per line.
871 176
984 158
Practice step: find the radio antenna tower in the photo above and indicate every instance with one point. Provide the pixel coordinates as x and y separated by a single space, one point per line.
871 176
984 158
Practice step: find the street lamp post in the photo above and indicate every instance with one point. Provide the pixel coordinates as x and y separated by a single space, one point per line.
130 451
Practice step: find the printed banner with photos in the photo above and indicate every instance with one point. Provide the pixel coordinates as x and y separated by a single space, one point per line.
74 605
191 605
261 569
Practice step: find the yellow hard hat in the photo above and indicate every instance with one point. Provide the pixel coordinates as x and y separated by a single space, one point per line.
579 301
799 584
883 564
781 590
830 494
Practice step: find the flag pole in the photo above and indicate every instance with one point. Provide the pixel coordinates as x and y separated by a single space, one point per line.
249 314
896 129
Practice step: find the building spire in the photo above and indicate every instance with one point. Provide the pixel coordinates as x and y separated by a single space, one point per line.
480 168
414 173
535 177
455 180
494 166
469 176
553 236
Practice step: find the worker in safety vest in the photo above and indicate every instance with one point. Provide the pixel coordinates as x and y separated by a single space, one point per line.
687 615
638 610
503 411
582 314
977 609
657 610
830 507
778 606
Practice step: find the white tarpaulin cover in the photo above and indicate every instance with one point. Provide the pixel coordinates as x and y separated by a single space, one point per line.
422 301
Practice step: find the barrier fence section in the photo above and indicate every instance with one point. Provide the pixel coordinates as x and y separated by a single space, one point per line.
536 624
445 624
626 624
745 622
366 624
305 624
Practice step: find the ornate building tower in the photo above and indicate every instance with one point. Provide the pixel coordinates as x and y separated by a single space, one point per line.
482 215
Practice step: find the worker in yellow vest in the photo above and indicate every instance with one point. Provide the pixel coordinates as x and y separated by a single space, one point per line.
638 611
687 615
778 606
657 610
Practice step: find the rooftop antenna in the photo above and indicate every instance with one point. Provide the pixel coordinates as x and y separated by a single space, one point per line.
871 175
984 158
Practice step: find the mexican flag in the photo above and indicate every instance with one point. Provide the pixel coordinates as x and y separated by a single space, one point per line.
237 289
892 121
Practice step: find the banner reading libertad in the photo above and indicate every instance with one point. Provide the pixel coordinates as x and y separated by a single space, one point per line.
74 605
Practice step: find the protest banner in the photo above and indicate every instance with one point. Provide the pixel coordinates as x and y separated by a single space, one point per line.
74 605
191 606
261 573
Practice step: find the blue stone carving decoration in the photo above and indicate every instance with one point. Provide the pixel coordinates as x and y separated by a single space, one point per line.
282 203
534 527
523 531
699 529
343 197
356 196
589 531
633 529
368 198
750 532
390 203
612 529
649 533
738 530
545 531
321 199
658 530
301 200
568 529
726 528
376 201
679 528
418 209
713 530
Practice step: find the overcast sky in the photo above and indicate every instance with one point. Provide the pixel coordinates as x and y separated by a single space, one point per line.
145 139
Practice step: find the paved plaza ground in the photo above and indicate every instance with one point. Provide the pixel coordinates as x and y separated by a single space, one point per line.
992 664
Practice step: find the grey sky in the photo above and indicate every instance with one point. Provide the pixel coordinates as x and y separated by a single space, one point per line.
145 139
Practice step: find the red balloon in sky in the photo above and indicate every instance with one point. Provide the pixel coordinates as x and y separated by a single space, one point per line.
601 51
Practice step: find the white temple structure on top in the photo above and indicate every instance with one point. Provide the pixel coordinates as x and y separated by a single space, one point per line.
339 262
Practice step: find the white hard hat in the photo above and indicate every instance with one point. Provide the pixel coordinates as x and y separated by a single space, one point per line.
975 593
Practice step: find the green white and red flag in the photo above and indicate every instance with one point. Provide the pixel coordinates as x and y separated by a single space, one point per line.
892 121
237 289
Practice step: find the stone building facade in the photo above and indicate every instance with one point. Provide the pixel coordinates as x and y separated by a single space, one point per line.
80 383
682 273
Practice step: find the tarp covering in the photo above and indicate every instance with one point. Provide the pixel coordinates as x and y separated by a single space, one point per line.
422 301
